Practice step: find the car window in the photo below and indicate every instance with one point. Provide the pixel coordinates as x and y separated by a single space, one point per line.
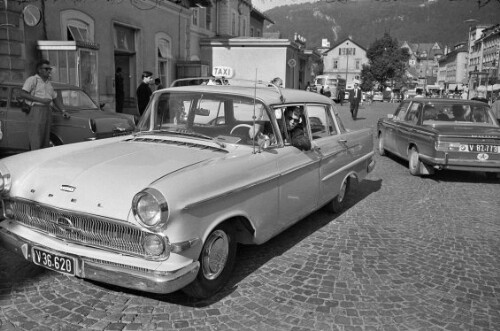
320 121
76 99
228 118
15 100
400 112
414 113
340 124
4 95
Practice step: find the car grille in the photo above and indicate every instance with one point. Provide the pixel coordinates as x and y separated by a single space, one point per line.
81 229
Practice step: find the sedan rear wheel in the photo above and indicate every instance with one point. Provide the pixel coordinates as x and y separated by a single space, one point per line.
381 149
415 164
337 203
217 259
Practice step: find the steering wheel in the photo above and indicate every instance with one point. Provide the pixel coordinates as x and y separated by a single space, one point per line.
240 126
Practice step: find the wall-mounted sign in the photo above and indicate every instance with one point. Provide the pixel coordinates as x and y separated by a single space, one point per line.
292 63
31 15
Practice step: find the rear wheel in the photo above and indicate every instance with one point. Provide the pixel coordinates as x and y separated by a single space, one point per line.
336 205
217 259
414 164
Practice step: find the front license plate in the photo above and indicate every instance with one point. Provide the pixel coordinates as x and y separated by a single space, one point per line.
479 148
53 261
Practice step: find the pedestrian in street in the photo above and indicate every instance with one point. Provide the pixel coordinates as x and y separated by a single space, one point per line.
39 93
144 92
308 86
355 99
119 90
495 107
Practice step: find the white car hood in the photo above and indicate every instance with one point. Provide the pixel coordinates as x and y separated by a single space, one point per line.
103 179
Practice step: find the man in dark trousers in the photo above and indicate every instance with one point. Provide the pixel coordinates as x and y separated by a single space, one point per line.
144 91
355 99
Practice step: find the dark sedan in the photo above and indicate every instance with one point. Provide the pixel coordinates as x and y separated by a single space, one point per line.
434 134
87 122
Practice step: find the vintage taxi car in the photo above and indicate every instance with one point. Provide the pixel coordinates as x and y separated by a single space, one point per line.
434 134
87 121
164 208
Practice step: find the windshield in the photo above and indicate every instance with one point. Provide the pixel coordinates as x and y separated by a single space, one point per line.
226 118
76 99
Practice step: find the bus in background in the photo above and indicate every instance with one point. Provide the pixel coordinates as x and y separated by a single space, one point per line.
332 86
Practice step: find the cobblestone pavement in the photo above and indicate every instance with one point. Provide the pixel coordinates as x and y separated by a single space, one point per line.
407 253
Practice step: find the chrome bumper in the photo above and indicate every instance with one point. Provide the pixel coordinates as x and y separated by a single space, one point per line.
457 164
115 274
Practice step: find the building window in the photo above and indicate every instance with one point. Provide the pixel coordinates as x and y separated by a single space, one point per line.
164 57
357 64
347 51
233 24
77 26
208 17
195 16
124 39
252 32
335 64
243 27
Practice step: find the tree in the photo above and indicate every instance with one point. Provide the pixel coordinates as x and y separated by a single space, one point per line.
387 61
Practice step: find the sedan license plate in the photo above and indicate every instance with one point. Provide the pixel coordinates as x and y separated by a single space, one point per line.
479 148
53 261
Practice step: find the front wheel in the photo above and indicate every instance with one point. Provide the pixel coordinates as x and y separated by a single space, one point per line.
380 147
336 205
217 259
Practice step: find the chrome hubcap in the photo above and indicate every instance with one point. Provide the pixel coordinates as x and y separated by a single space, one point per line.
215 254
343 189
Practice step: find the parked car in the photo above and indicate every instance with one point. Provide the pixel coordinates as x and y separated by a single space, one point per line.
164 208
87 121
378 96
434 134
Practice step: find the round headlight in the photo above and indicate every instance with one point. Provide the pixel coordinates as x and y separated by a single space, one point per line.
150 207
154 244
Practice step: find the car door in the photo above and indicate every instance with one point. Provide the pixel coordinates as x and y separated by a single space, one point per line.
298 181
392 126
332 147
408 128
17 122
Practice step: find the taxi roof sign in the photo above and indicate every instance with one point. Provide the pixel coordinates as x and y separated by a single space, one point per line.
221 71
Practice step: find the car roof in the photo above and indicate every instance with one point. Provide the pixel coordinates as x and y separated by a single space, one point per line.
446 100
269 95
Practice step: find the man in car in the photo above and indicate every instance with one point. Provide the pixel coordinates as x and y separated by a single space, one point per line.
296 135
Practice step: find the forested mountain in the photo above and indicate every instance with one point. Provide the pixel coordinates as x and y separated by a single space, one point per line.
416 21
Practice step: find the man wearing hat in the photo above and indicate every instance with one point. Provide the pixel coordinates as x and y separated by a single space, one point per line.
355 99
144 92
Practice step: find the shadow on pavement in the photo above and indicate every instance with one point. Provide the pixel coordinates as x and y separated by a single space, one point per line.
251 257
